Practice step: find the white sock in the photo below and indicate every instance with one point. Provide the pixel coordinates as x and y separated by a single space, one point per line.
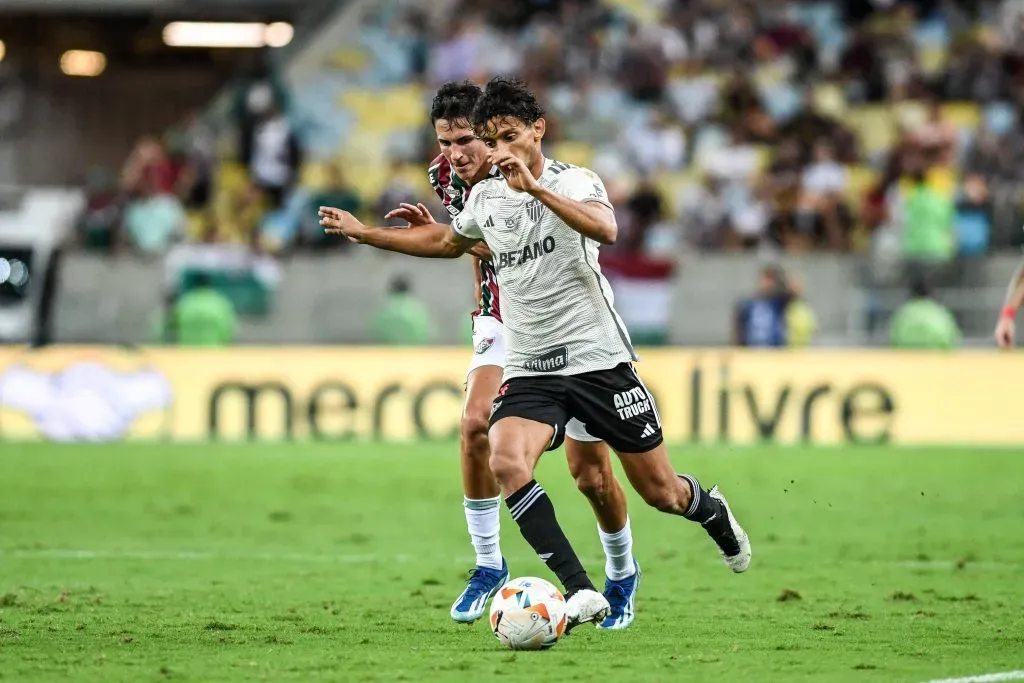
483 519
618 552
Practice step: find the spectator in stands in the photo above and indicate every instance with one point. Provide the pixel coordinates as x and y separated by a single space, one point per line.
973 217
257 85
403 320
929 242
937 137
704 214
785 171
274 156
202 316
644 68
196 147
657 144
923 323
101 219
149 171
810 125
154 224
801 323
154 217
862 68
643 210
821 212
749 217
995 154
760 321
458 56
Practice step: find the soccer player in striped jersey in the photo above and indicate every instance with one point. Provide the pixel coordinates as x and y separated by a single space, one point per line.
461 165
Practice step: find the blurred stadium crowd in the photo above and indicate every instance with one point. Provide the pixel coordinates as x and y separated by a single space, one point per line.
722 124
884 128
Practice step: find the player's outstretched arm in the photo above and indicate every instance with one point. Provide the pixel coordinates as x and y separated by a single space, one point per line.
589 218
433 240
1006 327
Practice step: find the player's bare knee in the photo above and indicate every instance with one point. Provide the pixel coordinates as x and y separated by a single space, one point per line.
593 483
474 433
509 469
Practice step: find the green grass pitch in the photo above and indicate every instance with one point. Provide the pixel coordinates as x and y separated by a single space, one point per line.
316 562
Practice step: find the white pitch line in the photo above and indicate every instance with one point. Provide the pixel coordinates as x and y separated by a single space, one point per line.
984 678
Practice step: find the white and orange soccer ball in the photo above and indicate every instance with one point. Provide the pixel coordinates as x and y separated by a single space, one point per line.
528 614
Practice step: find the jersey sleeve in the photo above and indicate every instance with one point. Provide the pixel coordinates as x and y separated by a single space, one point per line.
434 177
466 224
583 185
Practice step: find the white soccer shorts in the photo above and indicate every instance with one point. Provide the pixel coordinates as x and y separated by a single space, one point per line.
489 349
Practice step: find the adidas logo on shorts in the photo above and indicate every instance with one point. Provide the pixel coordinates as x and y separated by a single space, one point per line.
648 431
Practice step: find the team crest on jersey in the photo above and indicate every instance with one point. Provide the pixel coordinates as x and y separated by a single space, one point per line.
534 210
485 343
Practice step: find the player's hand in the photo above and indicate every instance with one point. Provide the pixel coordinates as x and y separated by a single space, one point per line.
515 171
1006 330
481 251
413 215
338 222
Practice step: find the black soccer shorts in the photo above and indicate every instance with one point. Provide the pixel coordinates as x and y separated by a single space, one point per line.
614 405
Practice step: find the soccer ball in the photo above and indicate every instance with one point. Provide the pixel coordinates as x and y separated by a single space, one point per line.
528 614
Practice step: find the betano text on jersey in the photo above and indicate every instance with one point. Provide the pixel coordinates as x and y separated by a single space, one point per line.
559 313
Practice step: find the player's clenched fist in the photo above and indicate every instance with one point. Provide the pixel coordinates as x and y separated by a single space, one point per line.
338 222
517 175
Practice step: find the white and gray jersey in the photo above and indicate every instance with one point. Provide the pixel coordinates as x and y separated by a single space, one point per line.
557 307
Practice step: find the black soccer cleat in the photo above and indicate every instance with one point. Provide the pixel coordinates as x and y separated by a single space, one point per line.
728 535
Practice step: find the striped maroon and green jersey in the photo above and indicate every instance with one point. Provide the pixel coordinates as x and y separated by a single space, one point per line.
453 192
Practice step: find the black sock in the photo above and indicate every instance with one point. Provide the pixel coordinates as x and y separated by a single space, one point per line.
702 507
711 514
533 512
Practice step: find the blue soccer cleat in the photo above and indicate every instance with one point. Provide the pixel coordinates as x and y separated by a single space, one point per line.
621 596
483 583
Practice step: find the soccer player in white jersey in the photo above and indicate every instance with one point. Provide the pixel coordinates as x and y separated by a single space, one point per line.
568 353
462 164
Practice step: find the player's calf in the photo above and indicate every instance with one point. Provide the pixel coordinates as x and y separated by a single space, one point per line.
657 483
711 511
516 445
473 438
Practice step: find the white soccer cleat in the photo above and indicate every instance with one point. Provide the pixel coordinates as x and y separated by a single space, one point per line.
732 540
585 606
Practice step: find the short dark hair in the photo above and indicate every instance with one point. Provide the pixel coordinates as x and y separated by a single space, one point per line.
506 97
454 101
